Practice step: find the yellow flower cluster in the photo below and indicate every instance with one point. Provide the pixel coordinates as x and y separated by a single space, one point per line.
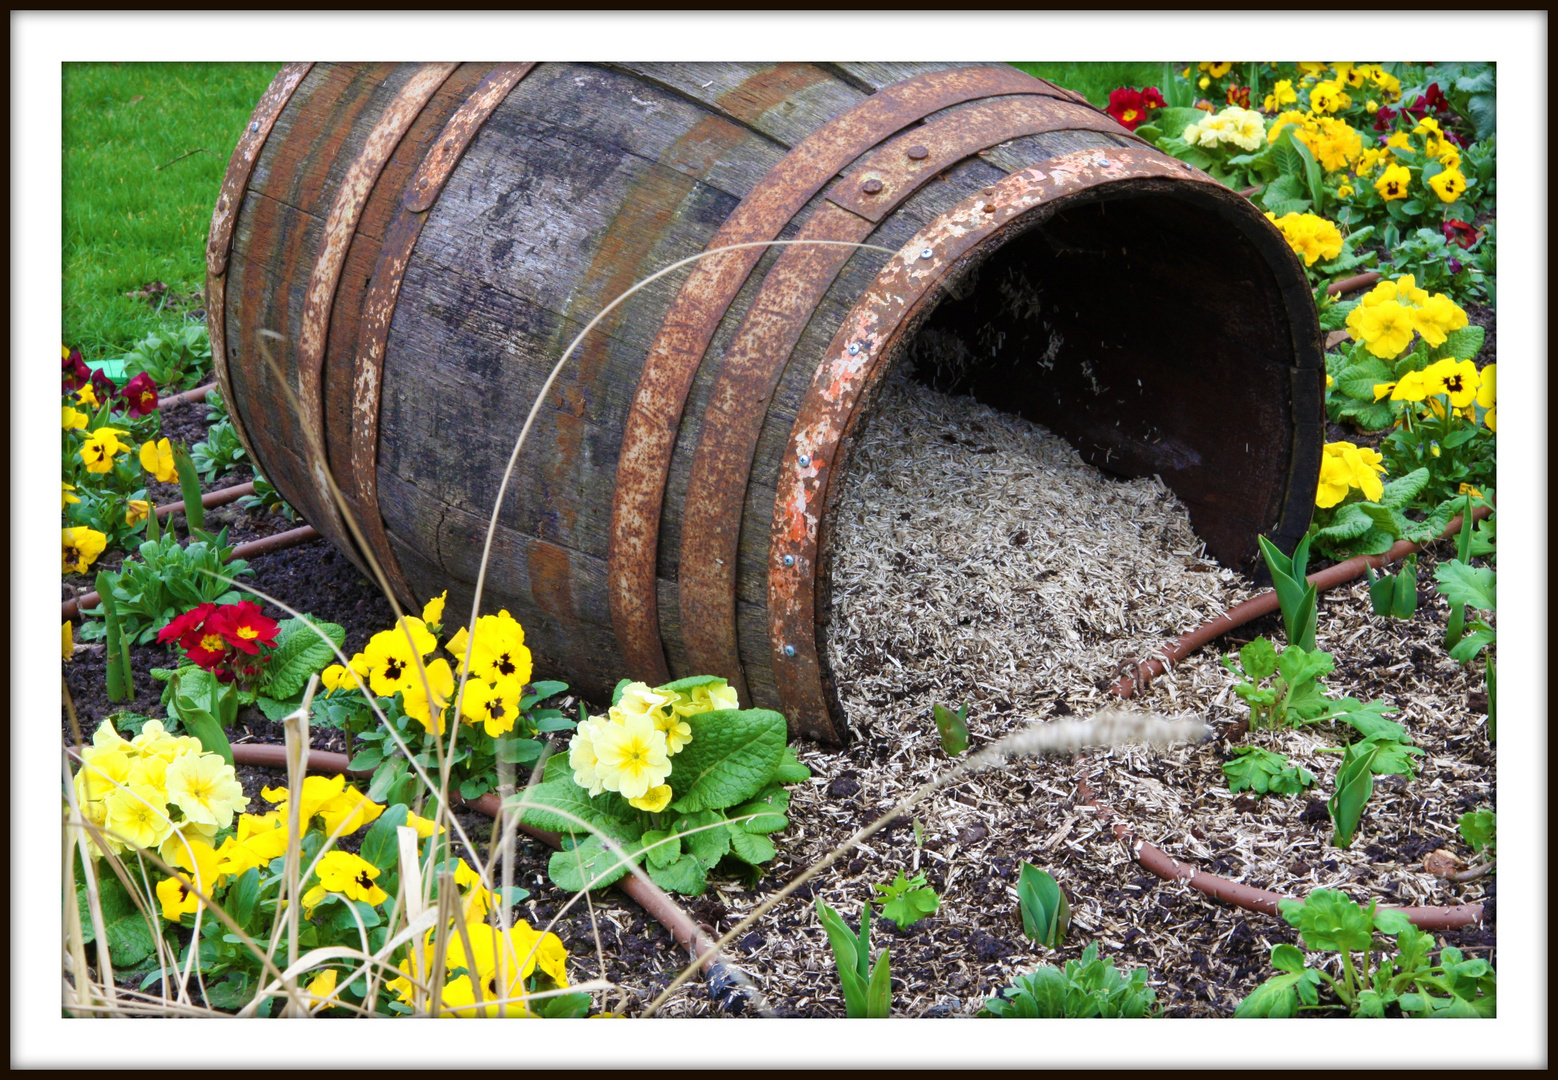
503 967
1388 315
1334 143
629 750
156 791
80 547
1281 95
1346 466
1457 380
396 661
1233 126
1311 236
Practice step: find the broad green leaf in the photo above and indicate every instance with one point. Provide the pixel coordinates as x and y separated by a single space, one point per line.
299 653
1358 379
1400 492
708 846
1369 722
558 791
1462 344
590 865
1462 584
685 876
879 992
244 895
1259 659
276 711
1273 999
1354 785
130 940
661 848
519 751
790 770
1046 914
692 682
1349 523
732 756
1478 829
380 844
1287 958
1391 921
750 847
1394 758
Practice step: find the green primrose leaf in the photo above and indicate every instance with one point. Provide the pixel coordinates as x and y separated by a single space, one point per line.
708 846
692 682
590 865
686 875
299 653
732 756
661 848
790 770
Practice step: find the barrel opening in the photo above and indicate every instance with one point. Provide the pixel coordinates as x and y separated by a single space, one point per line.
1149 327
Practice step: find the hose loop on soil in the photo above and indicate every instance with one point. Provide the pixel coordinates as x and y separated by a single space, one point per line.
1218 888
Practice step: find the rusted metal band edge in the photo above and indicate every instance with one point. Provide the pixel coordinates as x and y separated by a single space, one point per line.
224 220
829 411
340 226
695 314
378 307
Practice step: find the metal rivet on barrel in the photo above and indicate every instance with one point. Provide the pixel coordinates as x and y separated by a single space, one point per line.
789 650
854 348
871 186
989 208
789 560
254 126
804 460
927 253
918 153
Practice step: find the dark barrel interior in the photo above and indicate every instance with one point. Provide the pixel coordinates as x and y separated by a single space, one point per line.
1148 329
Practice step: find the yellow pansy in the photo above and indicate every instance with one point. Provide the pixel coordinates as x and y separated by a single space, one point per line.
157 459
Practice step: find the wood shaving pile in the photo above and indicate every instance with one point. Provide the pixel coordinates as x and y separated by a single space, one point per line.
977 559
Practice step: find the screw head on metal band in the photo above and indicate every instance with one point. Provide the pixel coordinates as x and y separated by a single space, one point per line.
789 650
854 348
254 125
789 560
804 460
927 253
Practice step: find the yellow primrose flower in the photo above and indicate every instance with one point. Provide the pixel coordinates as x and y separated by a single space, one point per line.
678 733
100 449
157 459
494 707
1457 379
206 789
639 700
581 754
433 610
1386 328
654 800
136 511
352 876
1346 466
415 700
1448 184
72 420
631 757
391 655
1393 182
87 396
1436 317
79 548
137 815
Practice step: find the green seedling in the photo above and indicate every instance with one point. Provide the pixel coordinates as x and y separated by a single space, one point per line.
1395 595
1295 594
907 900
189 485
116 654
953 729
1046 914
1479 830
868 991
1264 772
1087 987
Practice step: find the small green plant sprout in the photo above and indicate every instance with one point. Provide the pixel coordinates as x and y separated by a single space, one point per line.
907 900
1046 914
868 991
1264 772
1467 587
953 728
1394 595
1329 921
1296 596
1479 829
1294 691
1087 987
121 686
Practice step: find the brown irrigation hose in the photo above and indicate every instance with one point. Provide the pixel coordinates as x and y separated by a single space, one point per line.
197 394
1246 896
1347 285
290 538
649 896
219 497
1266 603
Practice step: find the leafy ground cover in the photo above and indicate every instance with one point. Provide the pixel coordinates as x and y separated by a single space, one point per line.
963 921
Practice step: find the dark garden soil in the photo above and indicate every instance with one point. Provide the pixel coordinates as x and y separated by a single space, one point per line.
1204 956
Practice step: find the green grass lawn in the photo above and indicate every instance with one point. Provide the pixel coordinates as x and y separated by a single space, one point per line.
1095 80
128 223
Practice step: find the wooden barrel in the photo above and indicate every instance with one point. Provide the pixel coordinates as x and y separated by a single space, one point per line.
401 252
